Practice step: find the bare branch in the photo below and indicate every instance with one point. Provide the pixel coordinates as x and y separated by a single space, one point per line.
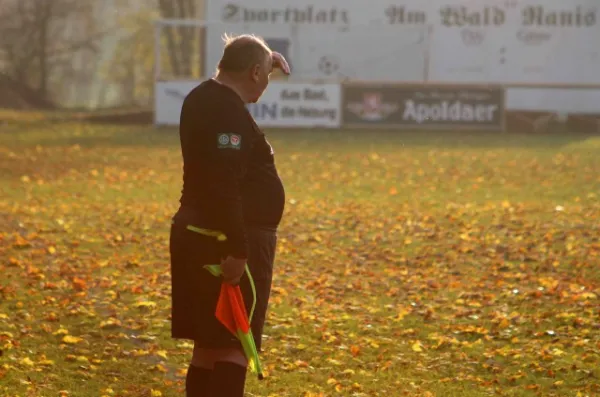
87 44
38 36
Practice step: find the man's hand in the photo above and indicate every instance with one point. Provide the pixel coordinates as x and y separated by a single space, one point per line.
233 269
280 62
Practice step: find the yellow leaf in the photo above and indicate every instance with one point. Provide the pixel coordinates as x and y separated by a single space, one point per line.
402 313
146 304
504 323
110 323
61 331
71 340
331 381
417 347
27 361
334 361
162 353
155 393
46 363
558 352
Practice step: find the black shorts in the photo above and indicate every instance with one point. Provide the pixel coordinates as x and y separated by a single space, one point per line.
195 291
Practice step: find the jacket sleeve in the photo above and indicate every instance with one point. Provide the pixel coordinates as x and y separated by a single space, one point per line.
231 140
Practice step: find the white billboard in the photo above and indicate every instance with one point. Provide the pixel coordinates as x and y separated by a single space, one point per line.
559 100
518 41
168 99
511 41
327 39
283 104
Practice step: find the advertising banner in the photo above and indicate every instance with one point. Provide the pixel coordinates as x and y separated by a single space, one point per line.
282 104
298 105
423 106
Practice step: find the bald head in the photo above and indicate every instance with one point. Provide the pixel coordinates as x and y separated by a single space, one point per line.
243 52
245 66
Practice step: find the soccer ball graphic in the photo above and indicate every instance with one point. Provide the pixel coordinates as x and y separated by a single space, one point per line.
328 65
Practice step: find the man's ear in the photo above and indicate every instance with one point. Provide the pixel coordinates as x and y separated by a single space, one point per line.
255 73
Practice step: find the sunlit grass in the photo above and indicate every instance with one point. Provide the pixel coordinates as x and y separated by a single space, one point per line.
409 263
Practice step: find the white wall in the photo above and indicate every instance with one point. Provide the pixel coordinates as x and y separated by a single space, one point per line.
492 42
559 100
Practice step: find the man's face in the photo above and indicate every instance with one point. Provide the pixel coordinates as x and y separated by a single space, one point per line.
260 77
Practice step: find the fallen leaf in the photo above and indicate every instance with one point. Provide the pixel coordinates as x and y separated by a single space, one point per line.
71 340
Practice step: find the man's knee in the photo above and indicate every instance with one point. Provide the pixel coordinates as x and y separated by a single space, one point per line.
235 356
206 358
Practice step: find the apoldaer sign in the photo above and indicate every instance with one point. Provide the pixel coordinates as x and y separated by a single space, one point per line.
454 111
423 106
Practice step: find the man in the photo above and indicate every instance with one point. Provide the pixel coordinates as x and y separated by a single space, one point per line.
231 186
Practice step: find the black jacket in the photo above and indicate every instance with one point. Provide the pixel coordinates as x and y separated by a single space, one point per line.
229 176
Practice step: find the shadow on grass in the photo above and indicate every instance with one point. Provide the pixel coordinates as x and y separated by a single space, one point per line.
386 140
110 135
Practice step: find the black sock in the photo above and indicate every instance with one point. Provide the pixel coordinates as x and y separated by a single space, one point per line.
197 381
228 380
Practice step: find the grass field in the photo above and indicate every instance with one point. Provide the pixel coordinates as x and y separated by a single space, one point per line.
409 264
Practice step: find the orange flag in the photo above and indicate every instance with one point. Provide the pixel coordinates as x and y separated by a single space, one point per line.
231 310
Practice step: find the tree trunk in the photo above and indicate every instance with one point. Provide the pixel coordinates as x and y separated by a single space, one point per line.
43 21
187 37
43 61
166 10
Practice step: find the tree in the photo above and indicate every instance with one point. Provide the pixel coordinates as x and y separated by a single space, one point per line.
130 67
39 37
182 42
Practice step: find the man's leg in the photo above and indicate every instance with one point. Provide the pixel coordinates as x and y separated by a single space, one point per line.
198 375
197 381
225 371
228 366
